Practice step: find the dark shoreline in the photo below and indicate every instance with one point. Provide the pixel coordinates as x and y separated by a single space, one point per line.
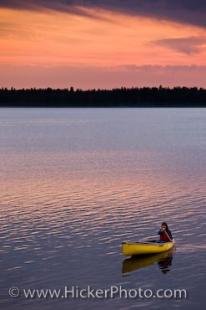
103 107
146 97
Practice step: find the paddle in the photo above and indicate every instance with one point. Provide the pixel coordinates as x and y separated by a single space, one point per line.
149 239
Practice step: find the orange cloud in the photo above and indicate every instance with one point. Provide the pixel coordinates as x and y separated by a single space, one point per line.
59 38
50 39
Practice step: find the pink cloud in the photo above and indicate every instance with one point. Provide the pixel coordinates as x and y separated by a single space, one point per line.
187 45
96 77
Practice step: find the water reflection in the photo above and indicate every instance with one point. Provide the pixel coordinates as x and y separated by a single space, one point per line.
164 261
76 183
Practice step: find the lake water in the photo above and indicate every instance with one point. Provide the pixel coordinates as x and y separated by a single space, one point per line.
75 183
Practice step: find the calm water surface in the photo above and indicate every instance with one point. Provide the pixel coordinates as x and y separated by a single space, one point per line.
75 183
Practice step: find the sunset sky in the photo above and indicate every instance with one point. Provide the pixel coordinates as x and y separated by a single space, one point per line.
93 43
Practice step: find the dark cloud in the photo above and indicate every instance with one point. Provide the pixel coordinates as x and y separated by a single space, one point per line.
183 11
188 45
67 6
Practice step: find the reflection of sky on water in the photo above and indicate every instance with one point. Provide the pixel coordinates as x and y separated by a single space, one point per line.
76 183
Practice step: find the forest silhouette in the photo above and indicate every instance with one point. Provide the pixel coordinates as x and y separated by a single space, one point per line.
118 97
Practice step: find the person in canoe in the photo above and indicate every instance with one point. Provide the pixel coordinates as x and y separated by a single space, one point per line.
165 233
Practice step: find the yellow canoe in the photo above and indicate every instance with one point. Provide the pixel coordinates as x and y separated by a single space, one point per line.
143 248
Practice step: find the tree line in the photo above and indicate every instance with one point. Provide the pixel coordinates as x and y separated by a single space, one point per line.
118 97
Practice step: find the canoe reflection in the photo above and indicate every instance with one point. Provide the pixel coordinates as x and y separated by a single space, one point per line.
164 260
